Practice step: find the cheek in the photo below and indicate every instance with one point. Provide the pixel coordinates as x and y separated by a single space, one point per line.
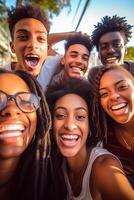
104 104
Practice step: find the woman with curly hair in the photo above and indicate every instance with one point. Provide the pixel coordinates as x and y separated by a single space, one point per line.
90 172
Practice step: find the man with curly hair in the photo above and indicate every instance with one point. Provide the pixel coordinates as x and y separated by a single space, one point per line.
110 37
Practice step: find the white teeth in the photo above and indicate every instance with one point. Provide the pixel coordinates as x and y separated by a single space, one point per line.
70 137
33 56
111 59
11 127
77 69
7 135
119 106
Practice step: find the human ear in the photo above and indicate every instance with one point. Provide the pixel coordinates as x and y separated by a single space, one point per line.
12 47
62 60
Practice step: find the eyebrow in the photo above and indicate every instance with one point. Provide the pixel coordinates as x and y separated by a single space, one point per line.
114 40
115 84
78 108
76 52
24 30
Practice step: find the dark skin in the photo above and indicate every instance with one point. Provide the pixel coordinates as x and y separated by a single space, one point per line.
16 132
112 48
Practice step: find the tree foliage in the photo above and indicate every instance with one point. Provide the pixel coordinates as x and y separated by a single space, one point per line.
130 53
52 6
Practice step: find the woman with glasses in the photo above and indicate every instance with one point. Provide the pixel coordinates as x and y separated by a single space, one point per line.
24 138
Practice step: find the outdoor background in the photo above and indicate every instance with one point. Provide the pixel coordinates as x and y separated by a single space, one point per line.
71 15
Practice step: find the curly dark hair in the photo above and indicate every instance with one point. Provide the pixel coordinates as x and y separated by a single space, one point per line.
35 177
110 24
101 120
26 11
75 86
79 38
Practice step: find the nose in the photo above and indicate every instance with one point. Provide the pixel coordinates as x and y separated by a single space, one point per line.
79 59
111 49
70 124
114 95
11 109
32 43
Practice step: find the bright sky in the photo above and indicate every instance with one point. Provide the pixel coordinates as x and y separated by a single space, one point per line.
96 10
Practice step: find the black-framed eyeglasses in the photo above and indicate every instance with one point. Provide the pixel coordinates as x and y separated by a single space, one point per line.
27 102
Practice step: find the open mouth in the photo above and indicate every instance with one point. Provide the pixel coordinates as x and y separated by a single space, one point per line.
119 106
32 61
78 70
11 131
120 109
111 60
69 140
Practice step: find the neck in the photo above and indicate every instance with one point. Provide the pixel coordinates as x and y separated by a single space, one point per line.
76 168
125 136
65 77
79 160
127 129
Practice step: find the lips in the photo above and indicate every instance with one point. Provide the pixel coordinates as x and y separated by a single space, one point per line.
118 106
69 140
119 109
77 71
111 60
70 137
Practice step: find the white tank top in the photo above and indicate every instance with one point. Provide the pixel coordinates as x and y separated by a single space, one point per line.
85 191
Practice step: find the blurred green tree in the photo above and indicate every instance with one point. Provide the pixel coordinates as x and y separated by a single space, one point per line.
130 53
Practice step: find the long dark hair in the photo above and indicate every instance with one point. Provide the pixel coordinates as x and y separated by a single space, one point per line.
101 120
31 177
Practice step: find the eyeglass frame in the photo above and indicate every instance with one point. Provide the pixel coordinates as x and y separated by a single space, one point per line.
9 97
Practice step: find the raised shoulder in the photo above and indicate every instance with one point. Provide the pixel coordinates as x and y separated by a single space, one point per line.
109 181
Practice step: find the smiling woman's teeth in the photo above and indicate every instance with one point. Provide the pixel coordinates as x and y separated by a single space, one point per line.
70 137
119 106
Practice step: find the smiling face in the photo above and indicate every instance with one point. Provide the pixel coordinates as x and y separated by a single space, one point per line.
117 96
112 48
16 127
30 45
71 125
75 61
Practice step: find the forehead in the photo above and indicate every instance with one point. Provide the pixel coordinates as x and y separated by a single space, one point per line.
11 84
78 48
113 76
28 23
76 101
111 36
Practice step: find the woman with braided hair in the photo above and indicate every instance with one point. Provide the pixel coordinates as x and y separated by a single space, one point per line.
25 162
113 109
90 172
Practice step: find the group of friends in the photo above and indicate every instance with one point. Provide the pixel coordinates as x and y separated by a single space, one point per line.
64 135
